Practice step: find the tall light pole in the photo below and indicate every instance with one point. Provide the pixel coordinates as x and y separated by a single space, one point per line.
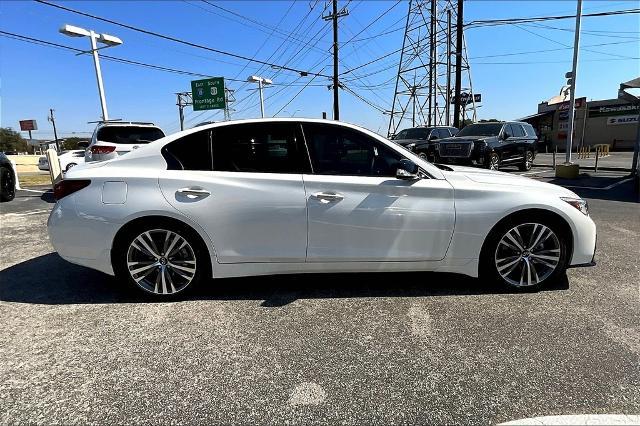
573 77
261 82
108 41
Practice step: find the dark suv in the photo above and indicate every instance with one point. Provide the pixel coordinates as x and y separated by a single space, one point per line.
490 145
421 140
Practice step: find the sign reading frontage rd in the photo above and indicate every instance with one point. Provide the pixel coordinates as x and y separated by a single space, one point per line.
208 94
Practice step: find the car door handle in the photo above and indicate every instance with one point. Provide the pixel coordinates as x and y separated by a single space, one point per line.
193 192
328 196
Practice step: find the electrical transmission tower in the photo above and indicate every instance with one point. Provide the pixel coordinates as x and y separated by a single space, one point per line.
425 92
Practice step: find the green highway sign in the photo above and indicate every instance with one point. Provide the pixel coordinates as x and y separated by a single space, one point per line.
208 94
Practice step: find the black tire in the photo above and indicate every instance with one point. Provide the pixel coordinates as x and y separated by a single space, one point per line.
7 184
123 256
488 267
493 162
527 161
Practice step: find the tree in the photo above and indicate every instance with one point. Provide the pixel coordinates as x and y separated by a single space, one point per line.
10 140
70 143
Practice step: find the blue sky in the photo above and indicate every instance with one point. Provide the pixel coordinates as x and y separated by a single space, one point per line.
35 78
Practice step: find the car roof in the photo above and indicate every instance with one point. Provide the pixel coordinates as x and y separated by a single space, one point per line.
126 124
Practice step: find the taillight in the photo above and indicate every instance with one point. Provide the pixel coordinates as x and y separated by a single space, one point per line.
68 186
102 149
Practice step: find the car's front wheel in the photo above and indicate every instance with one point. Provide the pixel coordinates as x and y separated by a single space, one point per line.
494 161
160 259
527 161
525 254
7 184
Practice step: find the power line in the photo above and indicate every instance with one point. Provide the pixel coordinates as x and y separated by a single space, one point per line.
371 23
511 21
174 39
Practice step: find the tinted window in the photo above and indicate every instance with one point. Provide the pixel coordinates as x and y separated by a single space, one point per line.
257 148
191 152
129 134
443 133
339 151
517 130
416 133
483 129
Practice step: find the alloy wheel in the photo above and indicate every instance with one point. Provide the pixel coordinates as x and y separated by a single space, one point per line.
527 254
528 159
494 162
161 261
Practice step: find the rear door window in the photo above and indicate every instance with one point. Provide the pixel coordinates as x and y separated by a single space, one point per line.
191 152
517 130
259 148
129 134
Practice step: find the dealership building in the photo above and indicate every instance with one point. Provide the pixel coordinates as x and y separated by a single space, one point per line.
613 122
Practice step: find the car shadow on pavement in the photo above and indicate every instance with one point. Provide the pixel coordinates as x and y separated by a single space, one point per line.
49 279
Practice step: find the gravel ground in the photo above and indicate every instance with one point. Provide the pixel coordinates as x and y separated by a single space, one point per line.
347 348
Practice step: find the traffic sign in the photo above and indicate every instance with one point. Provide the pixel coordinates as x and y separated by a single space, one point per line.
28 125
208 94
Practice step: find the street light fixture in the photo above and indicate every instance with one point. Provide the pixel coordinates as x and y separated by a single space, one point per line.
108 41
261 82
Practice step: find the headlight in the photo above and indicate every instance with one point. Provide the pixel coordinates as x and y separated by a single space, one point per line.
411 146
578 203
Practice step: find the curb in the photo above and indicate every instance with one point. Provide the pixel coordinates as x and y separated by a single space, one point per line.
608 169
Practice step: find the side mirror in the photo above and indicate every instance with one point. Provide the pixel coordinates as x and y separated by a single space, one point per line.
505 136
433 137
407 170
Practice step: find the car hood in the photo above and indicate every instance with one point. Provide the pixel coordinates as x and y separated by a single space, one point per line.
492 177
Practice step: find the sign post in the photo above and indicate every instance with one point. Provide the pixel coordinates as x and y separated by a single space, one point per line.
208 94
28 126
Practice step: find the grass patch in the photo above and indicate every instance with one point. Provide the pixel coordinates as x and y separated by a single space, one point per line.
35 179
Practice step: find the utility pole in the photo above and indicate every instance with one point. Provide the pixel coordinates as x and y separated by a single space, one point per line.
572 95
457 97
52 119
184 99
334 17
448 95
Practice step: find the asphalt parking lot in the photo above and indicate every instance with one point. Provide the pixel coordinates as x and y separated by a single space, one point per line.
346 348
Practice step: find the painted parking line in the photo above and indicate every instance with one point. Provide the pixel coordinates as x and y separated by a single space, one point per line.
33 190
579 419
40 211
606 188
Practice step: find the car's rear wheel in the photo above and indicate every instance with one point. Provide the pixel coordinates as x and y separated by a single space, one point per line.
525 254
494 161
160 259
527 161
7 184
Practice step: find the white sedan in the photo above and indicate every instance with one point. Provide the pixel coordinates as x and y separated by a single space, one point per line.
280 196
67 159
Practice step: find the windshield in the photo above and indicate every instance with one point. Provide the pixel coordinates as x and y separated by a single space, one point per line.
129 134
416 133
484 129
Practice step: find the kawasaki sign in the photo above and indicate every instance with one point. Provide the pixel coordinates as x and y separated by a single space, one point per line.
208 94
609 110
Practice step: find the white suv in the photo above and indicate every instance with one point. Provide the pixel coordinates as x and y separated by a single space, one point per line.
114 138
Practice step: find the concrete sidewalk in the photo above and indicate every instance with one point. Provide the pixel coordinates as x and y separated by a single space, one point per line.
615 161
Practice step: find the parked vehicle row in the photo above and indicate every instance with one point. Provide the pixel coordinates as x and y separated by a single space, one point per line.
490 145
277 196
